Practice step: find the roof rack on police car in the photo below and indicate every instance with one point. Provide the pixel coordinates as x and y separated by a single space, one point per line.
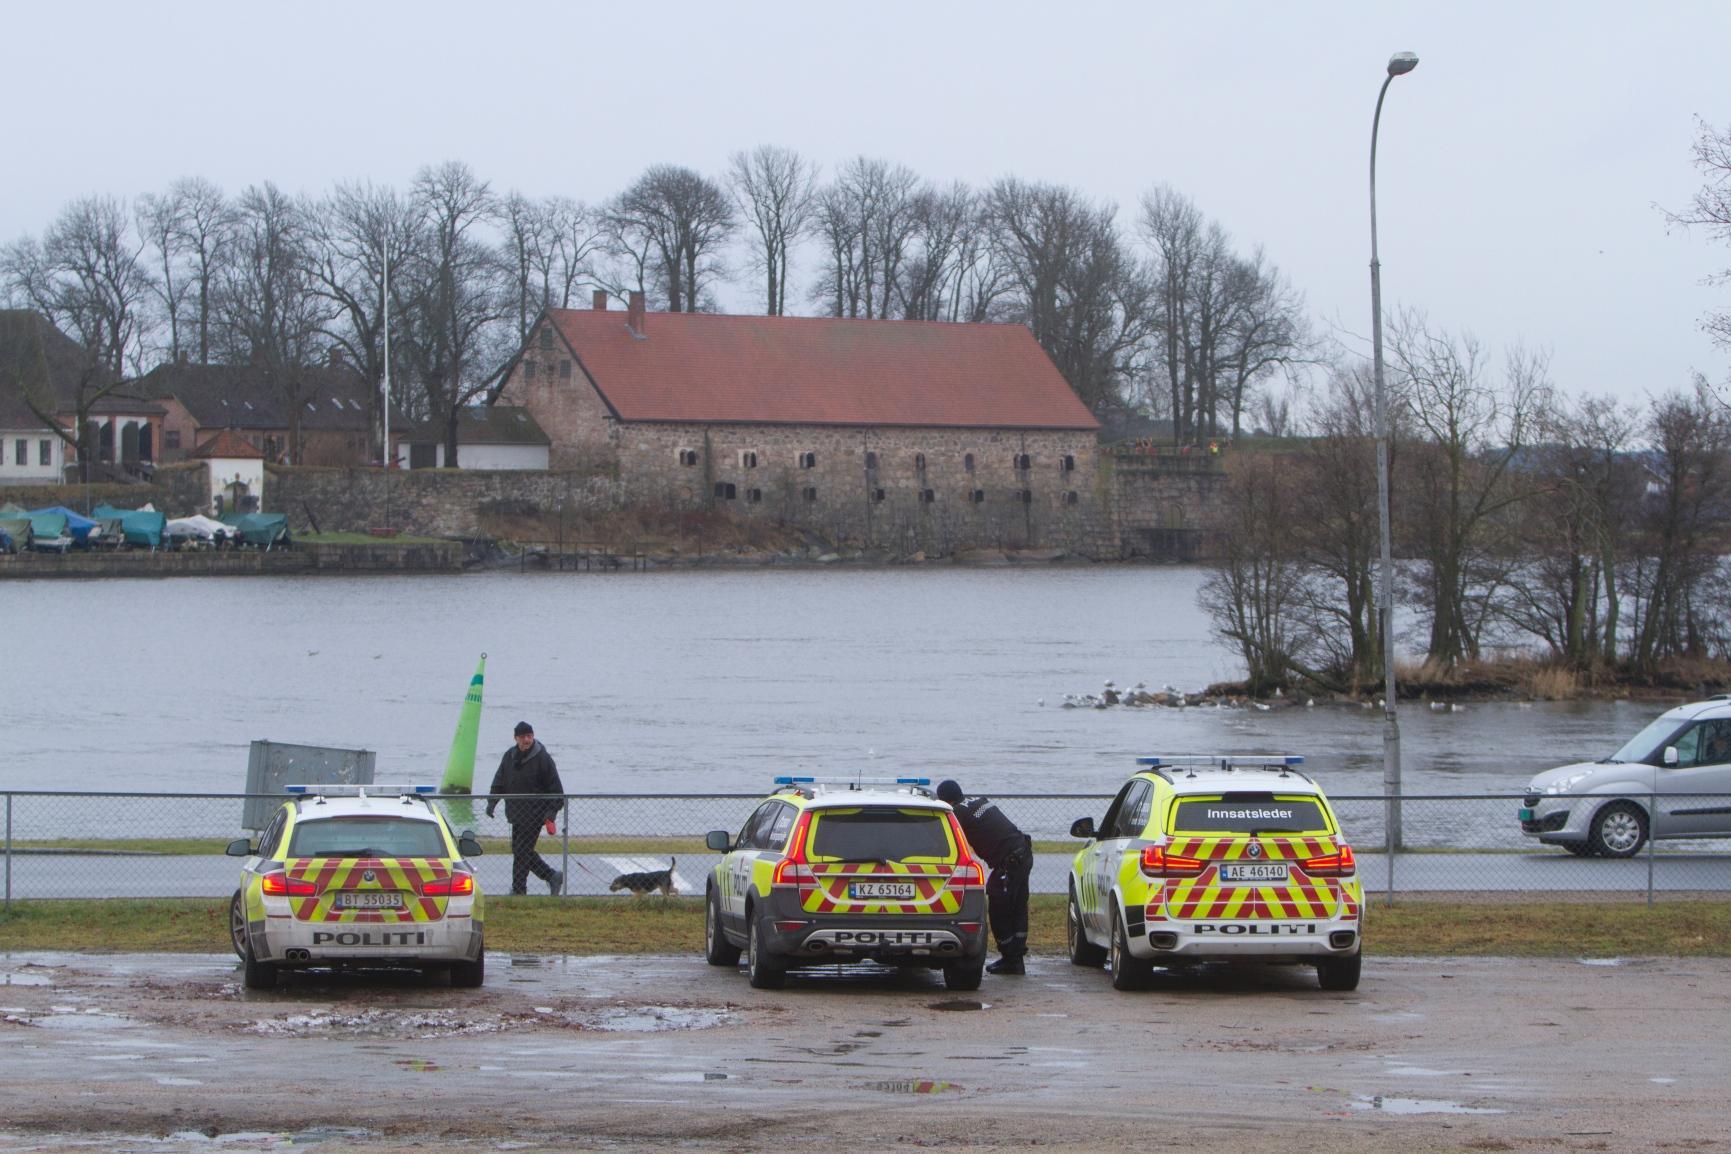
800 782
1284 763
407 791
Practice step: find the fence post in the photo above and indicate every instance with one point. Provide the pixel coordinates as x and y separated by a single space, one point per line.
1390 821
565 847
8 853
1652 827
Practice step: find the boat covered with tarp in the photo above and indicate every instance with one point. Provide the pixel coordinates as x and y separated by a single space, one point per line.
48 531
198 528
78 526
263 530
143 526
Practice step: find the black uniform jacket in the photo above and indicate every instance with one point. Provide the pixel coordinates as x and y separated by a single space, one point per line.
532 772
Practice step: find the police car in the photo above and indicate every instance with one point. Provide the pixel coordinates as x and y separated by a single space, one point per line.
1205 858
829 871
358 875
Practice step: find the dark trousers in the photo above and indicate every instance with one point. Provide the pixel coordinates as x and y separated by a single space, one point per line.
525 861
1007 900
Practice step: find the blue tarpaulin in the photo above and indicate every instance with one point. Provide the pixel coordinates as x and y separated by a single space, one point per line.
139 526
77 524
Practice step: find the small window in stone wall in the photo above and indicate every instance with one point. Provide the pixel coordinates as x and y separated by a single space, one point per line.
748 459
871 460
919 462
754 495
1070 497
809 492
565 370
1068 464
808 460
877 495
1025 496
725 490
171 439
688 457
1024 462
529 372
967 462
927 496
546 336
977 496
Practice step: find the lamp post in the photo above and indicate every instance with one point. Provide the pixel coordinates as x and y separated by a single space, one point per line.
1398 65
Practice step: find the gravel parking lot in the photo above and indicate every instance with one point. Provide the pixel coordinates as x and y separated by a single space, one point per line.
169 1053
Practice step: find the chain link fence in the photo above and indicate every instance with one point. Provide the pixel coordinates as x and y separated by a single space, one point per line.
148 845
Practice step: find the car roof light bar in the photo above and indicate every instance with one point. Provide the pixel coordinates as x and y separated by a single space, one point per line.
1223 760
363 789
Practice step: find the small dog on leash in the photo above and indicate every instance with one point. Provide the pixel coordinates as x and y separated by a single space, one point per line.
647 881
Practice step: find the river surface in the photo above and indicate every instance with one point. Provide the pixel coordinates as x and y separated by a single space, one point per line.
695 681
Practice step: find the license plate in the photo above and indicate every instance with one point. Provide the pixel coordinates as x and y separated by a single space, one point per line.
369 901
1525 814
1262 871
881 891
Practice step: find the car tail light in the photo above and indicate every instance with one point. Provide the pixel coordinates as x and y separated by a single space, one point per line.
458 885
1157 863
1334 865
280 885
792 869
967 875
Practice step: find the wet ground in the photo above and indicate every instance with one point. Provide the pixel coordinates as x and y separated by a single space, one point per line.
167 1053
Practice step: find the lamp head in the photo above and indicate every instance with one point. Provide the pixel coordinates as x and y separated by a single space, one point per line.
1401 63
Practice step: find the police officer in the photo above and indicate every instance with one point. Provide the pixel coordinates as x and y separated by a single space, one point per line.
1010 853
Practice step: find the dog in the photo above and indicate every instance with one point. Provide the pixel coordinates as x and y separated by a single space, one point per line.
647 881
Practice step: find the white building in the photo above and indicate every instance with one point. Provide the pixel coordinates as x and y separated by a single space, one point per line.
488 437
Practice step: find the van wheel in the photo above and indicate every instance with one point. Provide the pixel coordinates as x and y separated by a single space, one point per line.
1618 830
762 970
256 974
1082 951
1128 972
1339 973
717 950
237 925
470 975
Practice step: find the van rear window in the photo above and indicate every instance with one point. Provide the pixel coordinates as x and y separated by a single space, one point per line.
1256 814
880 833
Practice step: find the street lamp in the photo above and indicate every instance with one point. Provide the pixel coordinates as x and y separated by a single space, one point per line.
1398 65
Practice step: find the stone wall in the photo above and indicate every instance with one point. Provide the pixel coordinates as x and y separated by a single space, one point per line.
549 382
1163 505
429 502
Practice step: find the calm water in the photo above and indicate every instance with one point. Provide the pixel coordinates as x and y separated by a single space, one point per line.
693 681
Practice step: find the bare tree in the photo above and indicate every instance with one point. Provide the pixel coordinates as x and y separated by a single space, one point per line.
575 237
546 251
1711 210
775 188
674 223
189 230
159 221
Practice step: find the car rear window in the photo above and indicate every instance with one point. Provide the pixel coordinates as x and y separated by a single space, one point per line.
366 837
875 833
1249 813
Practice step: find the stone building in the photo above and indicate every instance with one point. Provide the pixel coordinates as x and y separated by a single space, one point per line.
908 435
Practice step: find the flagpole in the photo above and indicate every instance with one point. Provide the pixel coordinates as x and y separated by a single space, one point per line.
385 311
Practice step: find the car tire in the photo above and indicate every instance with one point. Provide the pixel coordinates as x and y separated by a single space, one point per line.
1082 951
1128 972
965 973
1339 973
255 974
237 925
717 950
1618 830
470 975
764 971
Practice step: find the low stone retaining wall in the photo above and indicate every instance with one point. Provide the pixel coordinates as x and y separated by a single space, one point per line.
439 557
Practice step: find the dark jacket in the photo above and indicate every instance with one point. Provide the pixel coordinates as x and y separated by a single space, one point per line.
993 836
532 772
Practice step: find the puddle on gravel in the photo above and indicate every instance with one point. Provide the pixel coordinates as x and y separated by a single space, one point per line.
418 1065
24 978
958 1004
1613 961
653 1019
690 1076
376 1023
911 1087
1418 1106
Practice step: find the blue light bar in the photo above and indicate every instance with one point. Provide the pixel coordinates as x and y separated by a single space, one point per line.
913 781
786 779
1222 759
426 789
294 789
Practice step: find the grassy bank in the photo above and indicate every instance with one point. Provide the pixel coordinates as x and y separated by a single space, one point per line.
657 926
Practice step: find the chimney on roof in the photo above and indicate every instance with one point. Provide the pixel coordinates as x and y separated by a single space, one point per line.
600 300
336 357
180 357
634 317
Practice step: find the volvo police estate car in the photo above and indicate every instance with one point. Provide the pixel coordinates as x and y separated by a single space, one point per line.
358 875
847 870
1673 779
1216 858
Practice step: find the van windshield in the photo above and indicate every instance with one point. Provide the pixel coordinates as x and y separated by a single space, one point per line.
879 833
1644 746
366 837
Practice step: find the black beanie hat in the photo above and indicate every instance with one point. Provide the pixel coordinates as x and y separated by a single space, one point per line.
522 728
949 791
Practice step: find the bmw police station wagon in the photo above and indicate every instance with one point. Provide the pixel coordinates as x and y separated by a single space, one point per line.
358 875
1216 858
847 870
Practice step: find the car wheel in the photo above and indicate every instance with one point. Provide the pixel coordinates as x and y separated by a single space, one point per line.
237 925
256 974
1578 848
1339 973
1082 951
764 971
1618 830
964 973
470 975
1128 972
717 950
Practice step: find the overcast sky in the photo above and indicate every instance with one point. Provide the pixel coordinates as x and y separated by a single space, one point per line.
1520 166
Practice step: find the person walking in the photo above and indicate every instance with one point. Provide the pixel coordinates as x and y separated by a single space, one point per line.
527 770
1010 853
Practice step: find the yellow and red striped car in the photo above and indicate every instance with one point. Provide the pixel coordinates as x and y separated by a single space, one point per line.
358 876
1205 858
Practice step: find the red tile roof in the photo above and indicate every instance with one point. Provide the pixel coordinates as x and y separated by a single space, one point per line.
230 444
821 371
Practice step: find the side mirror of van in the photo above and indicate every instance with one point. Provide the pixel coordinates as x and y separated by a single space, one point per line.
469 845
718 840
239 847
1082 827
1670 755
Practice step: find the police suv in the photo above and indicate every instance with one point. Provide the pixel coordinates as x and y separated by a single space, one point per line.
1204 858
838 870
358 875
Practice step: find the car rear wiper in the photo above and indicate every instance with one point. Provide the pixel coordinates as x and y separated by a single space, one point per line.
861 861
1273 829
